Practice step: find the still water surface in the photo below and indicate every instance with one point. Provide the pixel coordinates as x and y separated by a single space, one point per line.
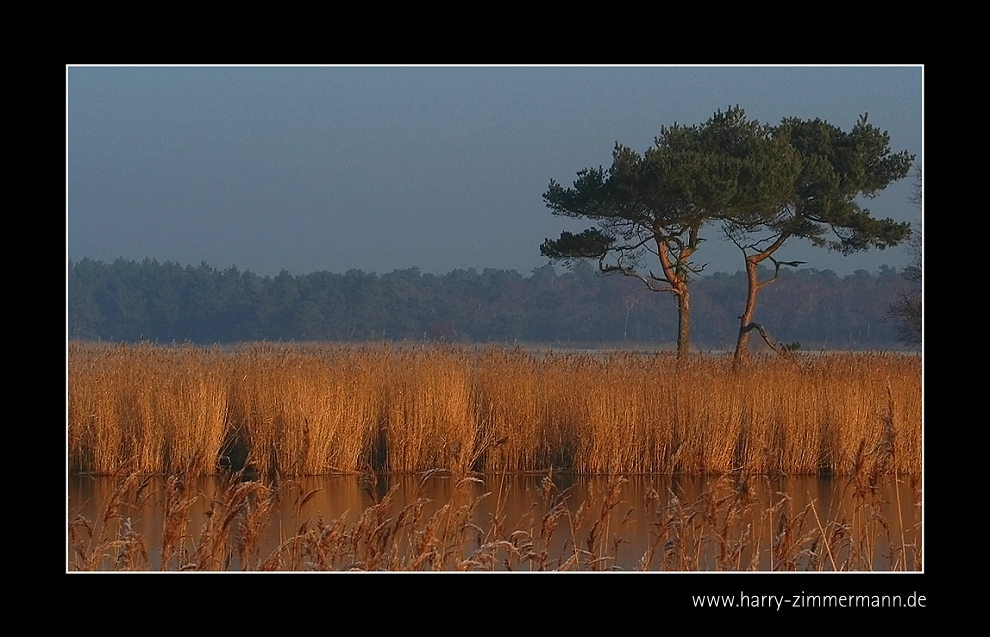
648 522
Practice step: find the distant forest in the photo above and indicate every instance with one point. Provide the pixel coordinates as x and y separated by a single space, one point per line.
129 301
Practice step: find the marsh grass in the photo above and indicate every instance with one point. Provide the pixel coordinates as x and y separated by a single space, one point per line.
297 410
161 409
736 523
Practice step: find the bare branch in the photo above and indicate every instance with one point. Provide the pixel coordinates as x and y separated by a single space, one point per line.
792 264
776 271
659 278
766 337
611 269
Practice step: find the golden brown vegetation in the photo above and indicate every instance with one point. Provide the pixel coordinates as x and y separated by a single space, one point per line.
727 527
297 410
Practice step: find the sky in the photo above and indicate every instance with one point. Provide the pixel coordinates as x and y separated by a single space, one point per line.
309 169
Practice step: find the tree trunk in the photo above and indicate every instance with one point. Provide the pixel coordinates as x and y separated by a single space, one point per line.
683 323
742 343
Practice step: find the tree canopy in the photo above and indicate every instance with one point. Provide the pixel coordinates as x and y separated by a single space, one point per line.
821 203
763 185
657 203
165 302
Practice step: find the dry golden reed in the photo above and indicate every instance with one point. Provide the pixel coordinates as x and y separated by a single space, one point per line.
297 410
736 523
165 409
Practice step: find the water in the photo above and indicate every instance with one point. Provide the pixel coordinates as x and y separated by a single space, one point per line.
540 521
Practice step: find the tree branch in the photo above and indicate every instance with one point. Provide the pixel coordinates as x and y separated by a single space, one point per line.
611 269
766 337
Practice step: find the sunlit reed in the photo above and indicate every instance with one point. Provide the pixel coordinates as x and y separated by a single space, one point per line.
297 410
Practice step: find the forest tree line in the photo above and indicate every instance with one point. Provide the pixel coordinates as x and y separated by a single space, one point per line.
128 301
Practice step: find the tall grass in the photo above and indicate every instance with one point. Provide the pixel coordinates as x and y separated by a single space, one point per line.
732 523
164 409
297 410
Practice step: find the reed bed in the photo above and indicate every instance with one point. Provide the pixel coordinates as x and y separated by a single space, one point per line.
164 408
288 410
294 411
737 523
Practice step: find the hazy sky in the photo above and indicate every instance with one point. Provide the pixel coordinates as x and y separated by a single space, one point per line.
333 168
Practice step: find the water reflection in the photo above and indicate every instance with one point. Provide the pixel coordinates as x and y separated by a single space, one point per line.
534 522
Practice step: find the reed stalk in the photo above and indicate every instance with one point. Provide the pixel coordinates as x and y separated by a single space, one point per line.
301 410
